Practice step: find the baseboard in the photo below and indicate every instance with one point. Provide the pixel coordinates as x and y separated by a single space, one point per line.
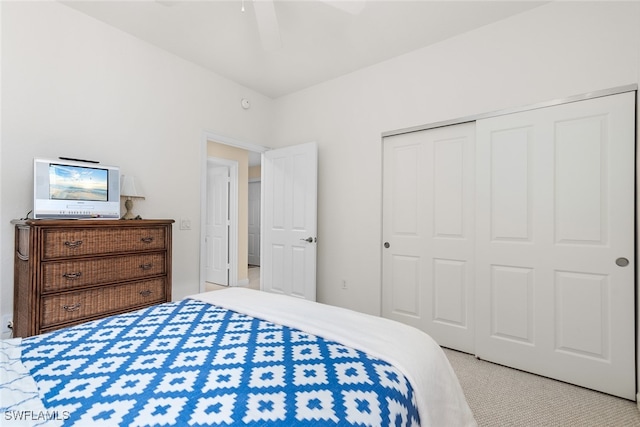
638 401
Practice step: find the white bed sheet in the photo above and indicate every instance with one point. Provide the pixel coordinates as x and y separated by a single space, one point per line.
440 399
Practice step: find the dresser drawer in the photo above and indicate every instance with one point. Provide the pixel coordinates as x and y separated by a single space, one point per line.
64 275
70 306
72 242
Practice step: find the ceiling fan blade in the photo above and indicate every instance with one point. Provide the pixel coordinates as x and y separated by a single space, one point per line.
354 7
267 24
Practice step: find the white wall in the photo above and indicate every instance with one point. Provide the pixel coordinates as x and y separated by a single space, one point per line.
72 86
554 51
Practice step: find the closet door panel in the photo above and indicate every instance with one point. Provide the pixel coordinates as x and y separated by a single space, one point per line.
428 265
570 176
405 189
449 189
404 229
582 329
449 292
512 304
581 182
510 185
405 295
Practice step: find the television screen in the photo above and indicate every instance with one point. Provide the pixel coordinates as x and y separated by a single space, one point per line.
67 182
71 189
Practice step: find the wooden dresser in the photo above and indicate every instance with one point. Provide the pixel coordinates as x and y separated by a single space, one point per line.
71 271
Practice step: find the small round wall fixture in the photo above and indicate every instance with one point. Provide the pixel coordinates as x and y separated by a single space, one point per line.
245 103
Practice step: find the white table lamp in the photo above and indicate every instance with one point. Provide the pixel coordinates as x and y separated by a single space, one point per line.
128 189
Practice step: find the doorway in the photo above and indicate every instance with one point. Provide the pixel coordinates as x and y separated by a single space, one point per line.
217 149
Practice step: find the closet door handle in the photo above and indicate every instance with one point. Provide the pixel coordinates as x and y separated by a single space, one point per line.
622 262
387 245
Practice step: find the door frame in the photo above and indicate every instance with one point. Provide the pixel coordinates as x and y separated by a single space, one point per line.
233 235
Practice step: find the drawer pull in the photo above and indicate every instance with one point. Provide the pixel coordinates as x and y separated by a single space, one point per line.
146 239
72 276
146 293
146 266
75 244
74 307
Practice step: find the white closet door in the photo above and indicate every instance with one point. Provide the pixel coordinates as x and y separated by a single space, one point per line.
555 242
428 270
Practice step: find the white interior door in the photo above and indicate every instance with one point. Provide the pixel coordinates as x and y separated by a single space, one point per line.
217 225
555 242
254 223
428 268
289 192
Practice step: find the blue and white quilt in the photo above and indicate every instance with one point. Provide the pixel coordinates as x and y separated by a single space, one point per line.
191 363
197 363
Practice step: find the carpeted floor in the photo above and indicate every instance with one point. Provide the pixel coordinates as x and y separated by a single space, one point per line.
500 397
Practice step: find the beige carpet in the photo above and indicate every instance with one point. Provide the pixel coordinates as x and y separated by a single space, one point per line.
500 396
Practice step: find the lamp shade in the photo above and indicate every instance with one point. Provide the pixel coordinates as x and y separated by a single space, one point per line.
128 187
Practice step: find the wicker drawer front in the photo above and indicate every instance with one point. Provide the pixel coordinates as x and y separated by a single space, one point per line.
62 243
67 307
58 276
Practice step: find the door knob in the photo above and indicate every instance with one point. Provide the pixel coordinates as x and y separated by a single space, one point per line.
387 245
308 239
622 262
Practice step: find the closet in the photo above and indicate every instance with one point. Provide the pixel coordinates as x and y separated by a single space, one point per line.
512 237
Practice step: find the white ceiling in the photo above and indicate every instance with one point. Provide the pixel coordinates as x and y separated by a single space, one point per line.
318 40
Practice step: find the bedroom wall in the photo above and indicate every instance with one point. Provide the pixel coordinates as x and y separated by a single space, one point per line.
72 86
554 51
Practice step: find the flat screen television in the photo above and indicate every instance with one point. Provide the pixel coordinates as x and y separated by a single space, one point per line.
68 189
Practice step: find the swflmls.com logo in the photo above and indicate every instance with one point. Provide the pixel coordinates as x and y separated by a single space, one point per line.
36 415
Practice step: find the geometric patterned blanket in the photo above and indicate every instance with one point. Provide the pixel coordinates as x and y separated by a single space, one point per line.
192 363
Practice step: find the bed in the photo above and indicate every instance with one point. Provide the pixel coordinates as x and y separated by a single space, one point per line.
231 357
